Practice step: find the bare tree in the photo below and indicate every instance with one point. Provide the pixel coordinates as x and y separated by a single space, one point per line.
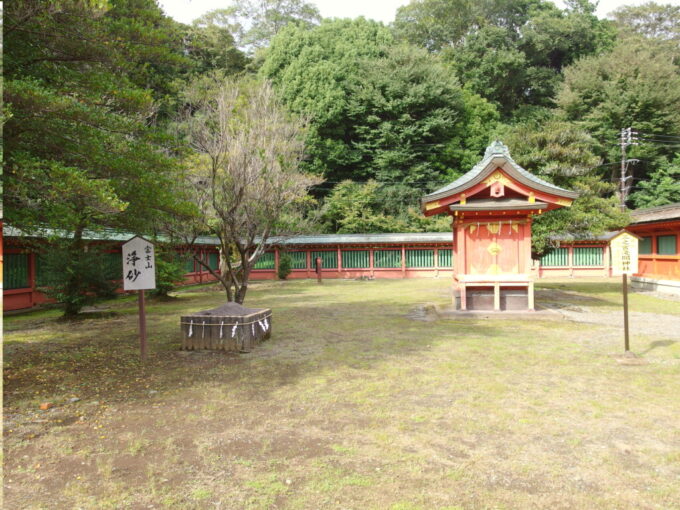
244 178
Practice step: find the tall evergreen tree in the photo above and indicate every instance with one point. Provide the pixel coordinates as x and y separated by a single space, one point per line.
377 109
82 145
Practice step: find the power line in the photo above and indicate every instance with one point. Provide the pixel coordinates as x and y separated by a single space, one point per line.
655 135
627 137
659 142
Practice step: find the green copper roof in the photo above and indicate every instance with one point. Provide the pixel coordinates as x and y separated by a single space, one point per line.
311 239
89 235
499 154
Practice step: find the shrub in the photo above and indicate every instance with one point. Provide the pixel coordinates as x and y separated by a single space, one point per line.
285 266
76 278
169 272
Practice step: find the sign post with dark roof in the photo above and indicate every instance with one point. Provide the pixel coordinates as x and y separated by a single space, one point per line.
492 207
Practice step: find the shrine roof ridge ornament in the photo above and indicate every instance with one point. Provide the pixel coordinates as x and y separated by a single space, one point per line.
497 155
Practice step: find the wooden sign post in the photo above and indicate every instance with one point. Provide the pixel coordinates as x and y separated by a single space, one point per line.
624 250
319 264
139 273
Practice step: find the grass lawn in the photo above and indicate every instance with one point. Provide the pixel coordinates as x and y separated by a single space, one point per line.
351 404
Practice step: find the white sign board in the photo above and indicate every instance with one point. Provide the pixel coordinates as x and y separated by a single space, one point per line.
139 265
624 248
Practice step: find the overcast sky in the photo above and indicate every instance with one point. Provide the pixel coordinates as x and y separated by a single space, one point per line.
381 10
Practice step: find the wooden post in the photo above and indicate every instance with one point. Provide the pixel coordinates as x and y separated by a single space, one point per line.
497 297
142 325
319 265
625 311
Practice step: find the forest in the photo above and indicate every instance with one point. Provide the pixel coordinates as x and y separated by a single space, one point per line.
110 107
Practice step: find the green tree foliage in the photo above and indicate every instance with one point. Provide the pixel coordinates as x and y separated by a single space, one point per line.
81 149
314 72
435 24
652 20
377 110
213 47
147 48
285 266
508 52
562 153
170 270
410 121
440 24
663 186
254 23
354 208
75 277
636 84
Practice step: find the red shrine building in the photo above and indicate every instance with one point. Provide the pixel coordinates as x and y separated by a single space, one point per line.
659 249
492 207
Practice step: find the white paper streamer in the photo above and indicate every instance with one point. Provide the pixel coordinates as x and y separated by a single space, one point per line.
262 326
203 332
266 324
252 327
233 330
221 328
191 328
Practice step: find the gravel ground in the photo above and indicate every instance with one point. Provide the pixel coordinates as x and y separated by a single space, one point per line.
651 324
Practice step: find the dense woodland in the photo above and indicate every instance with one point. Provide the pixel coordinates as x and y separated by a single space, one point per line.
98 93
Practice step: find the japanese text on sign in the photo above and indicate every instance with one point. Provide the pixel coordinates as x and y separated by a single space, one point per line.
139 267
624 248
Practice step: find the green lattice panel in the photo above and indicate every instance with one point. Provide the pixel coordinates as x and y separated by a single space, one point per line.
645 246
355 259
266 261
188 262
15 271
113 265
298 259
42 273
556 257
420 258
587 256
387 258
667 245
445 258
214 261
329 259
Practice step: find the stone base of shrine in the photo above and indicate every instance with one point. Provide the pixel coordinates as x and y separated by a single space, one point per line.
476 294
483 299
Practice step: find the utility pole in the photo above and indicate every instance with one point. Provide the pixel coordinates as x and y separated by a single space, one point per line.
628 137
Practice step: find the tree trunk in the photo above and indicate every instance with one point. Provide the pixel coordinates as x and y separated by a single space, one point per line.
241 293
225 274
245 274
72 304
